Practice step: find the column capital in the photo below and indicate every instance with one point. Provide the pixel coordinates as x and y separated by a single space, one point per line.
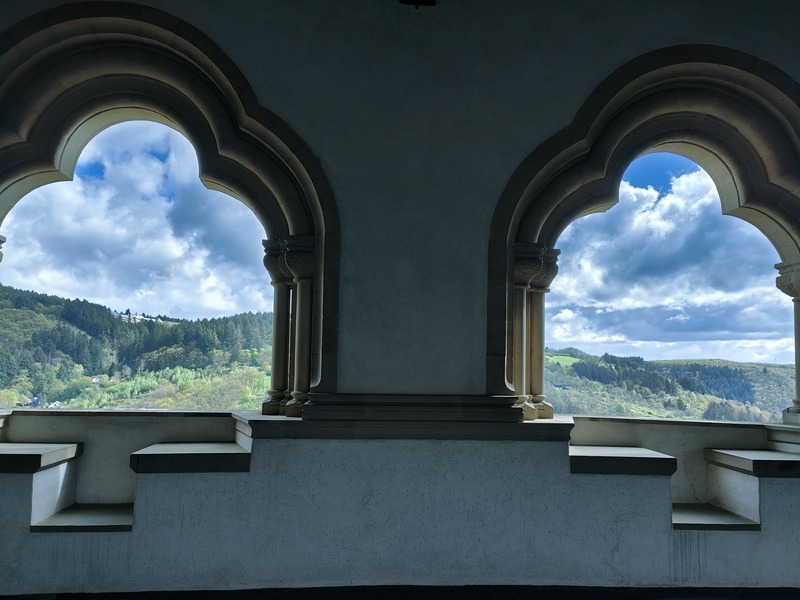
537 260
299 255
527 265
272 261
788 280
2 241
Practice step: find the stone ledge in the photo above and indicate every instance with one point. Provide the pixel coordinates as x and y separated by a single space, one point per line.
191 457
118 412
88 517
761 463
438 592
620 460
670 422
259 426
708 517
785 438
410 407
28 458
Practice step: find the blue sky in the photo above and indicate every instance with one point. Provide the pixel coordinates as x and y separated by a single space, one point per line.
662 275
657 171
665 275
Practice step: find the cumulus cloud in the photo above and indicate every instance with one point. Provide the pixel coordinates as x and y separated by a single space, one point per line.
137 229
666 275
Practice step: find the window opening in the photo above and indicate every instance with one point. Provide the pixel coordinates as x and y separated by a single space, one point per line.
149 290
664 307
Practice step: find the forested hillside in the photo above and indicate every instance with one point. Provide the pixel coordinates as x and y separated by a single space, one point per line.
579 383
76 354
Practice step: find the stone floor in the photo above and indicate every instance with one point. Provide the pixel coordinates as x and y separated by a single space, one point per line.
447 593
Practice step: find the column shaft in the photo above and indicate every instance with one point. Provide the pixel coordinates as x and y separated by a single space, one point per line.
302 369
280 349
796 407
520 348
536 351
276 267
287 393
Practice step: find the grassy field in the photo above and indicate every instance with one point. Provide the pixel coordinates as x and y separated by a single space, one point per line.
562 359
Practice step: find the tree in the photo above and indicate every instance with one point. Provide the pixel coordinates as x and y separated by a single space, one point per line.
22 384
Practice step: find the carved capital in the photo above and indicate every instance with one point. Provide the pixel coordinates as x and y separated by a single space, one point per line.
538 261
545 277
788 280
272 261
527 263
2 241
299 256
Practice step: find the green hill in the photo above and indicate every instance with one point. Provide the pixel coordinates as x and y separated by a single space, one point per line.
578 383
76 354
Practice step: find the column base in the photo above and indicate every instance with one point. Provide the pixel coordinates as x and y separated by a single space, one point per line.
545 410
294 408
272 406
791 416
287 397
537 410
529 412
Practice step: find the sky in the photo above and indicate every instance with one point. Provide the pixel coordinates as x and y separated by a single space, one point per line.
664 274
137 229
661 275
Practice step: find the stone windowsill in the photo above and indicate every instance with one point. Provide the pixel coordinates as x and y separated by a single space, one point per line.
29 458
620 460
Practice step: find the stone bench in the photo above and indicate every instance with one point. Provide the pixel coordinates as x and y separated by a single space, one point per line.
29 458
191 457
620 460
734 489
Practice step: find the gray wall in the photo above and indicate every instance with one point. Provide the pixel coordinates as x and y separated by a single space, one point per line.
420 116
316 513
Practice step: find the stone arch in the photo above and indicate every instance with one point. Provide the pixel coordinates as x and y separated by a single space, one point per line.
733 114
68 73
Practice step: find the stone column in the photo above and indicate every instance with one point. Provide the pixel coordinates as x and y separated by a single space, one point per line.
280 328
2 241
287 393
300 260
527 266
788 282
540 285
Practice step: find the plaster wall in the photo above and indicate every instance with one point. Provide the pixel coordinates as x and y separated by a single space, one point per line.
382 512
734 491
4 419
369 512
16 498
366 512
685 440
419 117
53 490
697 557
109 437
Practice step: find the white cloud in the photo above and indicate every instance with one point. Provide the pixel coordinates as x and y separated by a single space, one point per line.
122 240
669 277
572 325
